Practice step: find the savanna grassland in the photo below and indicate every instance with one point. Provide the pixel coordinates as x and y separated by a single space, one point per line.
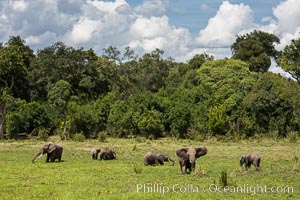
80 177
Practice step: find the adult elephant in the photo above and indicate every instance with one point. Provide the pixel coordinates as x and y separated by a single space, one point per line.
107 154
154 158
187 157
54 151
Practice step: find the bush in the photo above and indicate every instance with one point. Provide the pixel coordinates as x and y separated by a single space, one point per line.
79 137
43 134
223 178
134 148
195 135
292 137
137 168
102 137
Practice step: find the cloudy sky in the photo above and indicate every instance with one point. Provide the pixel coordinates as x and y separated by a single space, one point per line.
182 28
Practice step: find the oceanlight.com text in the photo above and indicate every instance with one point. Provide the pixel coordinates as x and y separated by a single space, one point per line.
213 188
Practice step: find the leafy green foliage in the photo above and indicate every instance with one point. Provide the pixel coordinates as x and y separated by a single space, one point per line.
150 123
59 95
29 118
68 91
198 60
224 84
15 60
78 137
289 59
217 119
272 104
256 48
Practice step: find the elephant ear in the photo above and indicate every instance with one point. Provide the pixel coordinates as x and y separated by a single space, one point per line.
160 158
51 147
242 160
200 151
182 153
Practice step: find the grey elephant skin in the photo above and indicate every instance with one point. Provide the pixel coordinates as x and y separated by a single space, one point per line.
250 159
187 157
107 154
53 151
155 158
95 153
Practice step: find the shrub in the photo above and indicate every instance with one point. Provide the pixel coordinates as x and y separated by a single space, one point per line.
102 137
79 137
43 134
137 168
134 148
292 137
223 178
195 135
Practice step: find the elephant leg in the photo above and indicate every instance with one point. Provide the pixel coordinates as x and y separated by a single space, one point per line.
182 166
193 167
188 167
257 164
248 166
52 158
183 169
48 158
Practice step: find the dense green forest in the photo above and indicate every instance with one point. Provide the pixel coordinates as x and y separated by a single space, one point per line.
67 91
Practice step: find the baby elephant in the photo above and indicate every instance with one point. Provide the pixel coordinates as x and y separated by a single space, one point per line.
152 158
249 159
95 153
107 154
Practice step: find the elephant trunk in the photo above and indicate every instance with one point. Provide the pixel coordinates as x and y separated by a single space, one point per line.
193 165
38 155
172 161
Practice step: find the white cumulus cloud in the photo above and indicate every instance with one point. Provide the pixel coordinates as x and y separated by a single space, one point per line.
19 6
288 15
230 20
152 7
144 27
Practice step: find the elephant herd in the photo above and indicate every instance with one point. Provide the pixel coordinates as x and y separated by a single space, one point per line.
186 156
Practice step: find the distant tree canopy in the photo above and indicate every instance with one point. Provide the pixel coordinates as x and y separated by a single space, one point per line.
256 48
67 91
289 59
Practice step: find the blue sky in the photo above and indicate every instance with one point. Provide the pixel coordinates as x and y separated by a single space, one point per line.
182 28
195 14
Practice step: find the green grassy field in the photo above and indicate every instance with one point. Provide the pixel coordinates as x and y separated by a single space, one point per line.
80 177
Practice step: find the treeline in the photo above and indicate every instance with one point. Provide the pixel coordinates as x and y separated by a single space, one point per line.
67 91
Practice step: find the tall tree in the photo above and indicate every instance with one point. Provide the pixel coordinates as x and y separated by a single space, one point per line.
6 101
59 95
289 59
76 66
199 59
256 48
154 70
223 85
273 104
15 59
